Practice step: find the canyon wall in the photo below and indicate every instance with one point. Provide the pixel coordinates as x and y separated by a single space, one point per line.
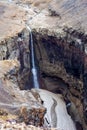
60 37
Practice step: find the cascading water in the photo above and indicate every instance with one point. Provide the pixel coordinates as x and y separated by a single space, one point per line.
9 0
33 64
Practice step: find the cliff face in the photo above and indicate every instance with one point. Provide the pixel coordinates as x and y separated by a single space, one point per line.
60 37
61 63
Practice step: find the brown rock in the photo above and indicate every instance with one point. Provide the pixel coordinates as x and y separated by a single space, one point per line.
12 15
60 45
21 104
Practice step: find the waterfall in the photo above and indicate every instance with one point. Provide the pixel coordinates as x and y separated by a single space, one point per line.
32 58
9 0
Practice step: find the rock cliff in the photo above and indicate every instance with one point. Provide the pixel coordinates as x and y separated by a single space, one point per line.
60 37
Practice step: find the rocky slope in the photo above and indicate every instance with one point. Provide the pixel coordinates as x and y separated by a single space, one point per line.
23 105
60 36
29 106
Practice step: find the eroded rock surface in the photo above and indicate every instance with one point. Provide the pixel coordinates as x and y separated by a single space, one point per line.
12 20
21 104
61 31
21 126
60 35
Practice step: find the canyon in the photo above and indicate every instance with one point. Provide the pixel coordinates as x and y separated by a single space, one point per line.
59 34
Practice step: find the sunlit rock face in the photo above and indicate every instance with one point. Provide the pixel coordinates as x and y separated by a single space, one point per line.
10 19
60 37
15 104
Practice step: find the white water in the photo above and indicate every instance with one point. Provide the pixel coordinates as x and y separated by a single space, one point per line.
33 70
9 0
58 115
